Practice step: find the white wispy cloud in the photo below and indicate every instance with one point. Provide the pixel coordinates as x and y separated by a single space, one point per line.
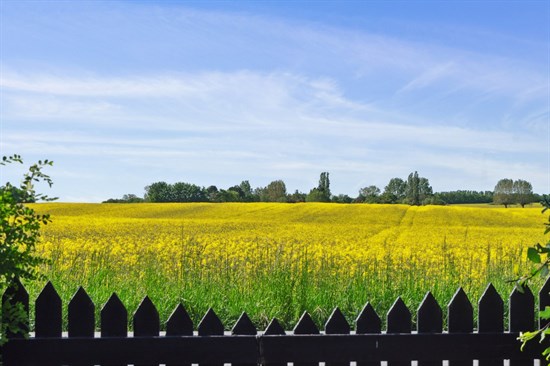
244 103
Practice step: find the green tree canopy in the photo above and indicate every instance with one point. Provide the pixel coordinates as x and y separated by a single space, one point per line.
370 194
274 192
322 192
187 192
394 192
417 189
504 192
247 191
158 192
523 192
212 193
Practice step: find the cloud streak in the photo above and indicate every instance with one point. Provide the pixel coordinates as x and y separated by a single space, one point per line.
241 102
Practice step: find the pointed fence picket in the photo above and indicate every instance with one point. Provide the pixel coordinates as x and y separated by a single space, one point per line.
48 321
179 324
274 328
461 319
81 314
429 320
368 322
114 320
490 317
399 321
146 322
306 345
244 327
522 316
337 324
305 326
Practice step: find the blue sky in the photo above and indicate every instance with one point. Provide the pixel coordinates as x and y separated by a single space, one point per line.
124 94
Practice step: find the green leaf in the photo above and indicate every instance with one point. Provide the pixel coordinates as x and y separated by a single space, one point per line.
525 337
545 314
533 255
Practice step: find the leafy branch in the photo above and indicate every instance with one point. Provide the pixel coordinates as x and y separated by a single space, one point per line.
540 256
19 234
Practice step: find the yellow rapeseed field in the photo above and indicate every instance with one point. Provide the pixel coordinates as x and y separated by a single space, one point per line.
281 259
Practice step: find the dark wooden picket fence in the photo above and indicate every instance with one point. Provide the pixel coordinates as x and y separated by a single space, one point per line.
306 345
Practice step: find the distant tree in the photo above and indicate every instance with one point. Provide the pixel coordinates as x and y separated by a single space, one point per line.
228 195
322 192
394 192
417 189
315 195
296 197
158 192
259 192
127 198
504 192
247 190
412 192
324 185
212 193
132 198
274 192
113 200
463 196
433 200
187 192
523 192
424 189
342 198
370 194
240 195
177 192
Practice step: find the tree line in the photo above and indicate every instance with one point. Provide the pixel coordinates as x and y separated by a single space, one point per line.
415 190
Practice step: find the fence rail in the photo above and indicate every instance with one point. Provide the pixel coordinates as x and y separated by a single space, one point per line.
305 345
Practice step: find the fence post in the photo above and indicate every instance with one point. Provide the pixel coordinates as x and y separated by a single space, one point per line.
48 311
368 322
210 325
429 320
337 324
522 316
114 320
490 318
244 326
461 319
273 328
179 324
81 315
305 326
399 321
146 320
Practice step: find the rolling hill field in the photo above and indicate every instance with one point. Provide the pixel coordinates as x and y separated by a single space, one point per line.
277 260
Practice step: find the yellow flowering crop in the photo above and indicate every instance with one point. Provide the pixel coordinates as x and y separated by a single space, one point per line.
268 258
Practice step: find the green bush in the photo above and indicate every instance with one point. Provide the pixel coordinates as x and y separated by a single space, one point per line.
19 234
